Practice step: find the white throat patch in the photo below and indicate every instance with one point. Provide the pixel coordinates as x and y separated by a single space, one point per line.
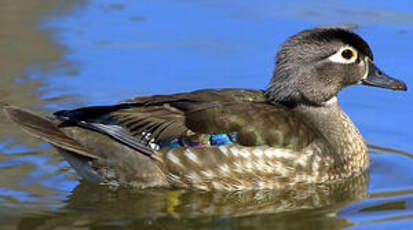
331 101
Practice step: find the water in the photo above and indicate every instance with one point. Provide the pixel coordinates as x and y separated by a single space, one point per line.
65 54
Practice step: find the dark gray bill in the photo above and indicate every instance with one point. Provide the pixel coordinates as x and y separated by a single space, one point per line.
379 79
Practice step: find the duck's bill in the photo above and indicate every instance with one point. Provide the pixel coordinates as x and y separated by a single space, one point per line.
377 78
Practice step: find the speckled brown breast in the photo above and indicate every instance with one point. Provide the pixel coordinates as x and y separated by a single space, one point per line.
234 167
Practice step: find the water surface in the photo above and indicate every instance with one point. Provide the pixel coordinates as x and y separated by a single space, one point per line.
65 54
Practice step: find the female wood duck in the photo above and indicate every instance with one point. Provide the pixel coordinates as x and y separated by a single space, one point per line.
294 132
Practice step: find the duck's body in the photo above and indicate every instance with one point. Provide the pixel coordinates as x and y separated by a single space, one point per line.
227 139
275 146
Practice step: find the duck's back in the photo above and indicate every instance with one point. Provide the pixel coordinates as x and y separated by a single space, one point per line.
210 117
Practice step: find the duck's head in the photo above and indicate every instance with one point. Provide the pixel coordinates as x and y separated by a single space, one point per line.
314 65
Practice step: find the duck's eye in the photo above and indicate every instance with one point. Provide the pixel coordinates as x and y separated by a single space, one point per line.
347 54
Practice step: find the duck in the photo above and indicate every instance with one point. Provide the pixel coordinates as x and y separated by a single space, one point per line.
291 133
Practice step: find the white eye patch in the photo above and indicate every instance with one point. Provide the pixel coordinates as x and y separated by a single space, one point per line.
345 55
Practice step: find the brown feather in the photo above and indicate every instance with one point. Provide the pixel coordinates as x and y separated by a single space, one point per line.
45 129
240 111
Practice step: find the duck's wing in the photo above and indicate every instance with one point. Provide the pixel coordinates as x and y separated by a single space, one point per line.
145 122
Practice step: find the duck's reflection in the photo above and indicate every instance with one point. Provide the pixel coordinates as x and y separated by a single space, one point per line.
94 205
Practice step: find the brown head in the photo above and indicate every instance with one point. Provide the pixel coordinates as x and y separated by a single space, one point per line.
314 65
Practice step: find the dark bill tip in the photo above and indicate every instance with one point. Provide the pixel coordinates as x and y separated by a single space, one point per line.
377 78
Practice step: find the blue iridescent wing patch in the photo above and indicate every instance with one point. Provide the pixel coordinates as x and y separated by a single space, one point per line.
199 141
223 139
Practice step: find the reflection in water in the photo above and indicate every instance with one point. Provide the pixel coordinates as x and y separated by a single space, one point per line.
94 205
27 176
24 47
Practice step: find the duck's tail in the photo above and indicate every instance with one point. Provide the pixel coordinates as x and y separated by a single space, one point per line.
46 129
115 159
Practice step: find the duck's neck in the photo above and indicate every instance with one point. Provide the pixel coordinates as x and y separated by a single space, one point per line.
345 141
